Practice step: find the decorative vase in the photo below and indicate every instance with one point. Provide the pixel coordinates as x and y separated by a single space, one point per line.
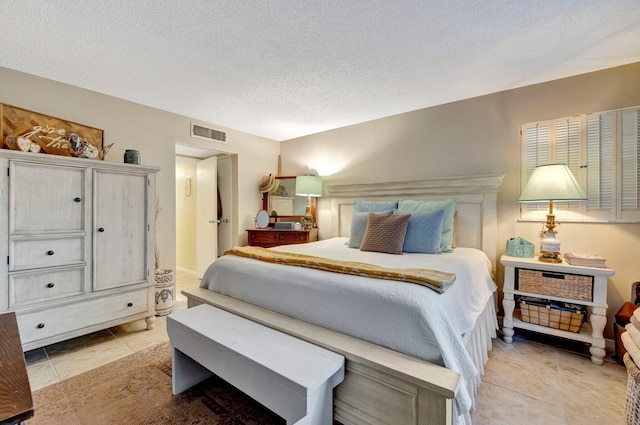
165 291
131 156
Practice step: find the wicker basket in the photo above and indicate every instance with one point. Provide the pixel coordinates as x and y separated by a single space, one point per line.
550 315
632 406
564 285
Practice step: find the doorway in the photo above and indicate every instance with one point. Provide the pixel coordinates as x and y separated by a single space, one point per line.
202 230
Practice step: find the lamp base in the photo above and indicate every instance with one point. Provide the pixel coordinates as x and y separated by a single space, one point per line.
550 257
550 248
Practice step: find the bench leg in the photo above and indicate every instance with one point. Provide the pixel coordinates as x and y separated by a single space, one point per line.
186 372
319 407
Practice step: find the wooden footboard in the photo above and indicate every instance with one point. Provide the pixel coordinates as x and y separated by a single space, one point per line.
381 386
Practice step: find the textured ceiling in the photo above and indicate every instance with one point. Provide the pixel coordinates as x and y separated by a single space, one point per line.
283 69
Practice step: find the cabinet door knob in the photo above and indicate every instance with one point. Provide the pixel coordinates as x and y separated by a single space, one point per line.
50 252
51 285
101 229
40 325
77 199
130 305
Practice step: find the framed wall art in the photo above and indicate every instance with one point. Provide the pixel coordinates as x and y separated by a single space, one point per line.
29 131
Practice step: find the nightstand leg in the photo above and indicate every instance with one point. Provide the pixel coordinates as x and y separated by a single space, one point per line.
598 321
507 323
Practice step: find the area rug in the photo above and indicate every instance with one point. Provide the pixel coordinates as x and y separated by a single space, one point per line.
136 390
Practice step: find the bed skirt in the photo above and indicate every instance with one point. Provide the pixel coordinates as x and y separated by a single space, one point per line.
478 343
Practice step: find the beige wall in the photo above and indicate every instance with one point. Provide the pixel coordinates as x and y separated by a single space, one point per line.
185 217
480 136
154 133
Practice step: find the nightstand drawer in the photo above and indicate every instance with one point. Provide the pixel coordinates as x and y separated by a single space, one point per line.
555 284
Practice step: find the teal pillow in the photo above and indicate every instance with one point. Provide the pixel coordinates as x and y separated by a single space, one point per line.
449 206
374 206
424 232
359 222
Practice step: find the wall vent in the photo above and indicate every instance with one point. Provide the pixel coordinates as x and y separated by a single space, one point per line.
202 132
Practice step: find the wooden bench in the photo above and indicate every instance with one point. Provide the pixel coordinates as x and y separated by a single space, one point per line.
291 377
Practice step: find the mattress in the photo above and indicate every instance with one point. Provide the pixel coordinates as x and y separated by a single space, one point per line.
402 316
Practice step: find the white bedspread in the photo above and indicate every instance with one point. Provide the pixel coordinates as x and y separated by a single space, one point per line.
402 316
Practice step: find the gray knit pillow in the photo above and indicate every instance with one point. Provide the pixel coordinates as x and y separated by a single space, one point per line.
385 233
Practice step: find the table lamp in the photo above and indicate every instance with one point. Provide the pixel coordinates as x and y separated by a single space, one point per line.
551 182
309 186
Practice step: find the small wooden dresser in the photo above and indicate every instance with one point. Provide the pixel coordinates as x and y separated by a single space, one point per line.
268 238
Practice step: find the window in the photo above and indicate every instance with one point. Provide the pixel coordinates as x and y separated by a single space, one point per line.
602 151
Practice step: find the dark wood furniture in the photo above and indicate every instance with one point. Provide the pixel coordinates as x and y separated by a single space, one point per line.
16 404
268 238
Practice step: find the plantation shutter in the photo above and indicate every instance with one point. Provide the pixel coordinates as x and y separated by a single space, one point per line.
601 165
567 151
630 164
602 150
536 151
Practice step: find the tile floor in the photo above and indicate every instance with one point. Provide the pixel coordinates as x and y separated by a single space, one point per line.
531 381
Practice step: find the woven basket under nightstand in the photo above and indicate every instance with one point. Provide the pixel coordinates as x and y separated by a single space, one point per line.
551 316
632 406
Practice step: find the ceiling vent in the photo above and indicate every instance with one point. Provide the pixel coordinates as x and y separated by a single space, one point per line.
202 132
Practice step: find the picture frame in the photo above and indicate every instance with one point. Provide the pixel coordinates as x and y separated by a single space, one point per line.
30 131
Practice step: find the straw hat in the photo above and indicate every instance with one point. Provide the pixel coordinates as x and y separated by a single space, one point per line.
268 184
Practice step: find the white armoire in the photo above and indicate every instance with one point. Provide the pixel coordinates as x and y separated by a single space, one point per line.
79 238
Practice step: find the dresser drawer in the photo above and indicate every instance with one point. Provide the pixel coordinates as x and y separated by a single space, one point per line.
263 237
292 237
33 287
27 253
67 318
555 284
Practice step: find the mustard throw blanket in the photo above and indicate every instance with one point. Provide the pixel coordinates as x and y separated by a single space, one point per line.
434 279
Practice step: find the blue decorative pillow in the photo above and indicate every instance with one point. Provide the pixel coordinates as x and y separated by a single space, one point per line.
424 232
359 222
449 206
374 206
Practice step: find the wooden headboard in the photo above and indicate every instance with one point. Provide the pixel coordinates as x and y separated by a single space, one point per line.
476 219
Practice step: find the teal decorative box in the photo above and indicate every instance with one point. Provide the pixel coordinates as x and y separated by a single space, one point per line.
518 247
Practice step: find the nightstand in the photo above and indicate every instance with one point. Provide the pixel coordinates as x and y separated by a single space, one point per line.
268 238
585 286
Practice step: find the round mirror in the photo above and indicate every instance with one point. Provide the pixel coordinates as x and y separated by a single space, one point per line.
262 219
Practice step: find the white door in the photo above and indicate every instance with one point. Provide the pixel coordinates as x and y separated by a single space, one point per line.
206 213
225 226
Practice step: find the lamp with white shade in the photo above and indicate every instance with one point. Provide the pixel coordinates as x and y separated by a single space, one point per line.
551 182
309 186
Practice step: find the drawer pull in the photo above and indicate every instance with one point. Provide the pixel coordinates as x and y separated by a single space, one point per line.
129 304
51 285
553 275
101 229
40 325
78 199
50 252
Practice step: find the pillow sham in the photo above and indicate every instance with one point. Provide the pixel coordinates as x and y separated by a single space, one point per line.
374 206
424 232
385 233
359 222
449 206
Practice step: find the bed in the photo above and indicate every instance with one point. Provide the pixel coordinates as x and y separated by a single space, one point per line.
413 355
